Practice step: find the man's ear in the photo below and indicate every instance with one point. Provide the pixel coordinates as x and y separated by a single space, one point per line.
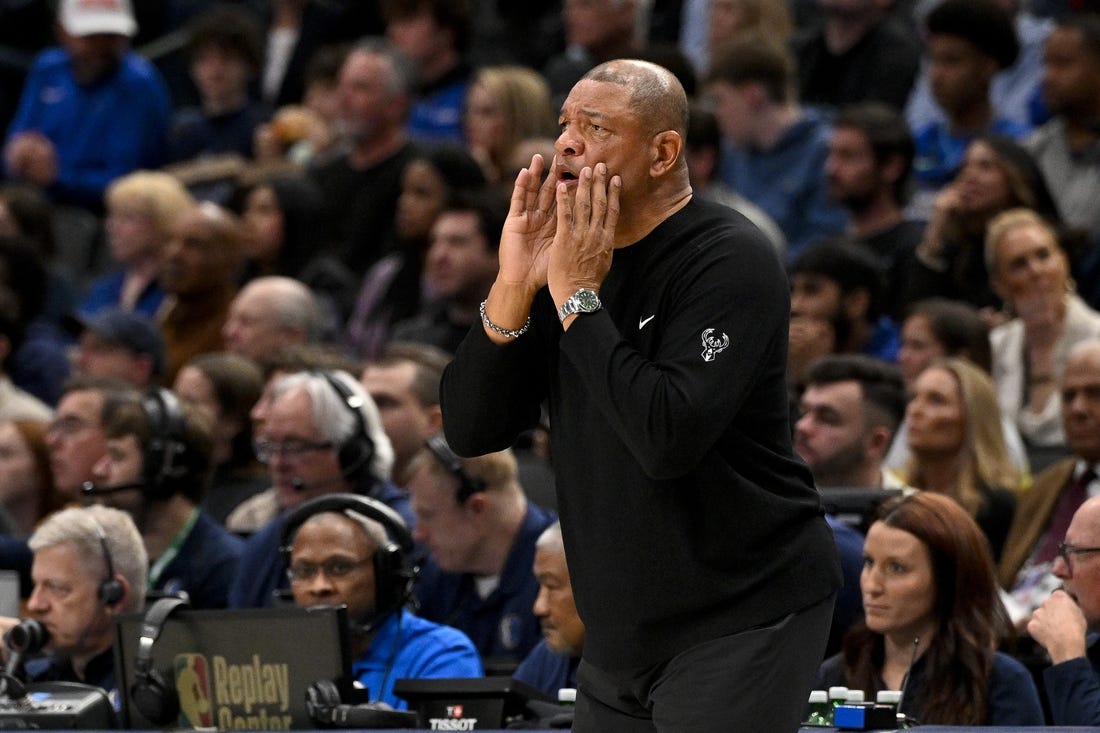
477 503
667 147
143 369
856 303
879 440
434 415
892 169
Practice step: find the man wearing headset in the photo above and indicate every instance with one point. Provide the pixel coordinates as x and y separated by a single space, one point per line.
321 435
156 468
480 531
89 566
340 555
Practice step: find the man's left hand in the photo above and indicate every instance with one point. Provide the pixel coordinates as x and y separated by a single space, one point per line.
583 244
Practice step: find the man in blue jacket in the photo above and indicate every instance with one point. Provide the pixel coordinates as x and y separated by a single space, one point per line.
91 110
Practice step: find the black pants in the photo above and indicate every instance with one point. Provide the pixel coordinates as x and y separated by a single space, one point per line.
755 681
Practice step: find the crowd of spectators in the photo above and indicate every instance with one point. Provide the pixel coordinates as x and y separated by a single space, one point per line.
286 213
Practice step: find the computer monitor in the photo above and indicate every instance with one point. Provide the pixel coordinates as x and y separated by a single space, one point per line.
238 669
855 506
9 593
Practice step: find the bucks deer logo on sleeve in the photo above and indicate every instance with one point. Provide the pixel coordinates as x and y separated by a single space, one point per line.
713 345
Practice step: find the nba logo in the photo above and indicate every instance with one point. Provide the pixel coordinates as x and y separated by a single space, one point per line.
193 686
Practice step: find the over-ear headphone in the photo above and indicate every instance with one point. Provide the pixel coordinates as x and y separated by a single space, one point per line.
354 453
327 710
467 485
395 570
154 696
110 589
164 451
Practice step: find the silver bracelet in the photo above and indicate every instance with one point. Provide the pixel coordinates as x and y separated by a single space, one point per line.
505 332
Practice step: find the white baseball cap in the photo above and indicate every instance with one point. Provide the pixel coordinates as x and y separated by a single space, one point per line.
89 17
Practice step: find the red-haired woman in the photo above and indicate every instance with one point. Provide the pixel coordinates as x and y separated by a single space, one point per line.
932 613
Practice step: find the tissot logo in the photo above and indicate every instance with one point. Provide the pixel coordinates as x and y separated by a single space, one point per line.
453 721
452 724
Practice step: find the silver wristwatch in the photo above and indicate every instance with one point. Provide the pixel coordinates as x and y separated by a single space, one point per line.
582 301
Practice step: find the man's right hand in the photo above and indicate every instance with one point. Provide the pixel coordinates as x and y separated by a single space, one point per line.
529 229
524 252
31 156
1060 627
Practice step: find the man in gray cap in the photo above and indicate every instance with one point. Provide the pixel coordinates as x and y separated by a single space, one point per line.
121 345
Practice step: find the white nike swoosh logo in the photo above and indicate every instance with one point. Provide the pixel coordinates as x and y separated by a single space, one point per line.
643 321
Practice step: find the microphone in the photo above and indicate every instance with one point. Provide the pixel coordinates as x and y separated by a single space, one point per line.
25 638
299 484
905 679
90 489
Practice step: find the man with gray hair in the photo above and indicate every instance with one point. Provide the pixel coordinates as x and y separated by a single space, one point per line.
552 664
270 313
322 434
89 567
360 187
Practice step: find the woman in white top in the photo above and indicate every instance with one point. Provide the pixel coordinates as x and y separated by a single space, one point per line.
1030 272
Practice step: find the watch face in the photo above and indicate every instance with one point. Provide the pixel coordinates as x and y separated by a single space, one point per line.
587 300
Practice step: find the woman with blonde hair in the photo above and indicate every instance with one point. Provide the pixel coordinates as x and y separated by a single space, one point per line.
142 207
1030 272
958 447
505 106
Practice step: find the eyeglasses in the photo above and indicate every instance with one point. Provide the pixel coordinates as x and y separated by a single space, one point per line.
268 449
67 426
336 567
1065 551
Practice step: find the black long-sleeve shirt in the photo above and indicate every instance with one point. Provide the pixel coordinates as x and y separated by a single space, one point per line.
685 513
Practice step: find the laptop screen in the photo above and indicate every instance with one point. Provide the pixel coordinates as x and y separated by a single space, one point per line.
239 669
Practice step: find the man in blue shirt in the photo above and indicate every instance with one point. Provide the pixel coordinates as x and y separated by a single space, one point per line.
339 552
552 665
773 150
91 110
969 41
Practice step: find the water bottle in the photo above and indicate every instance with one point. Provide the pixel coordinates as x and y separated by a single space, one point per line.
819 708
837 697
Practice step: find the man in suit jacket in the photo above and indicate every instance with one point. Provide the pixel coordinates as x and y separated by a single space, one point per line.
1045 510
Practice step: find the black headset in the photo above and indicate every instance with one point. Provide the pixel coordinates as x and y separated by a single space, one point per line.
110 589
395 570
467 485
154 696
165 450
354 453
